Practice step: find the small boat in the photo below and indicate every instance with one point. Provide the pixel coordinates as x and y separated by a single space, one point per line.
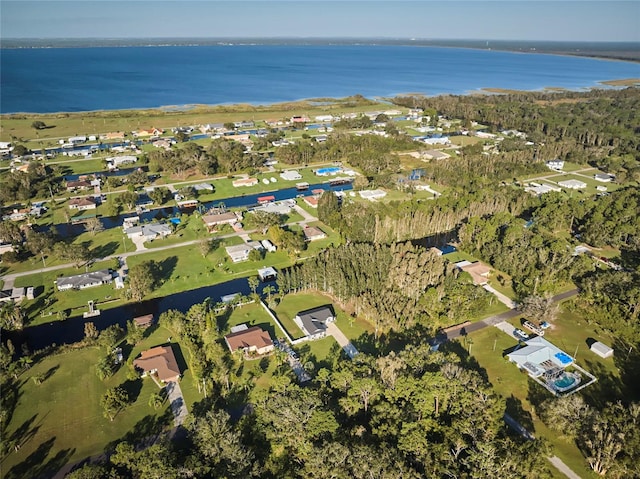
302 186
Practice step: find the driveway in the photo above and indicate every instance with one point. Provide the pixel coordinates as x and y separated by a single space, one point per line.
176 401
342 340
508 302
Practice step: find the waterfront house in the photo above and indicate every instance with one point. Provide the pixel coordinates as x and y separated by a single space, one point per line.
85 280
213 220
245 182
249 340
148 232
290 175
159 361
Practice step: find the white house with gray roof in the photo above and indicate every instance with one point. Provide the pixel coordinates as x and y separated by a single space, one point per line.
313 322
149 232
85 280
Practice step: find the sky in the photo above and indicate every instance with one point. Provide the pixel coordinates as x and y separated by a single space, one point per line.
573 20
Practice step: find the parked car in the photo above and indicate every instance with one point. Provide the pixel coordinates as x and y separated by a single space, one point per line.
520 334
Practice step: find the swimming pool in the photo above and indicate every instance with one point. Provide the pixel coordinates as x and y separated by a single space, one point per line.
331 170
564 358
565 382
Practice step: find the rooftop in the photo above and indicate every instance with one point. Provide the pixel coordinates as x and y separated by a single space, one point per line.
161 360
253 337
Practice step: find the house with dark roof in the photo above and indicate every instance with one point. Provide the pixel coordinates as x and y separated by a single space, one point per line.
250 340
313 322
85 280
159 361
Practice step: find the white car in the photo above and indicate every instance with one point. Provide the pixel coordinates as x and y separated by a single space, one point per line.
520 334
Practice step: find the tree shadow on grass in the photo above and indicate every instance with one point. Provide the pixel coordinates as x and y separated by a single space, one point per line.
522 416
608 387
24 433
35 465
133 388
50 372
105 250
164 269
147 430
627 359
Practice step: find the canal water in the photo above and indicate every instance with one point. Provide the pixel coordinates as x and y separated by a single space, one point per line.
71 330
244 201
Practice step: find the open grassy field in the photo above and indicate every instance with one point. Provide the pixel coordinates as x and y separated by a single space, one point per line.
64 125
61 420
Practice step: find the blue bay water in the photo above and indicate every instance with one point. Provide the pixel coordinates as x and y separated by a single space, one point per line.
81 79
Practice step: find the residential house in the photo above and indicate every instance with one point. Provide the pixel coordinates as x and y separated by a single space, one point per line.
213 220
603 177
143 322
435 155
572 184
166 144
203 187
78 185
479 271
85 280
268 245
6 248
557 165
115 135
312 233
148 232
313 322
159 361
14 294
539 356
311 201
151 132
239 252
81 204
114 162
372 195
442 140
245 182
250 340
290 175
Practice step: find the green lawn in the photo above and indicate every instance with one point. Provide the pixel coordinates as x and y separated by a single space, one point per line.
61 420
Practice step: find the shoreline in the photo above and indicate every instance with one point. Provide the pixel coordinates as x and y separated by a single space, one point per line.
593 50
322 103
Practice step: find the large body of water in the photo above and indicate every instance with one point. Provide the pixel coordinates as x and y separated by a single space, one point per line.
81 79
